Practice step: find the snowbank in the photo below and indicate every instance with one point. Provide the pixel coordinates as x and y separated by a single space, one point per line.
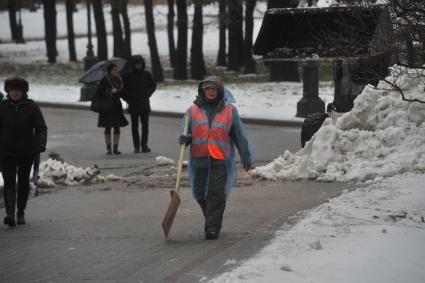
382 136
374 234
54 172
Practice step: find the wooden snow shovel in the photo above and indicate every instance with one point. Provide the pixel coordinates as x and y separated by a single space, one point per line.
175 199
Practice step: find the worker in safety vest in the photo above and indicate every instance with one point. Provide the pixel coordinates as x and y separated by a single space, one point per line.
214 128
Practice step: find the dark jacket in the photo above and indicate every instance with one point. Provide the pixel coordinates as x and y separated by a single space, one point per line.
138 88
23 131
114 118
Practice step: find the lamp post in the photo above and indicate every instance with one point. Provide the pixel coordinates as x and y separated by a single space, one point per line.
89 89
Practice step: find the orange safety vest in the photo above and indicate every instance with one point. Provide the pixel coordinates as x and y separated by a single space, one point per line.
214 141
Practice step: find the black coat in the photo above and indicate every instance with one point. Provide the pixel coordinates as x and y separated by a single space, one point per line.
23 131
114 118
138 88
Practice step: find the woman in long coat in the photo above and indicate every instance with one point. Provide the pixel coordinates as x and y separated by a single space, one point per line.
110 88
23 135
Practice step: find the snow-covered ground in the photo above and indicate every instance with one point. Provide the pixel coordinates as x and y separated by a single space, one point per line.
370 235
275 101
375 233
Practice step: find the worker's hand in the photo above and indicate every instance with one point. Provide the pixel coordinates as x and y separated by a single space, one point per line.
114 90
186 140
42 148
247 166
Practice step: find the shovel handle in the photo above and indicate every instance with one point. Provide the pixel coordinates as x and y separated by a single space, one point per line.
181 152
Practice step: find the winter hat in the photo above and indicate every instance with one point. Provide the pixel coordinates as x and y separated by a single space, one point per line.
134 59
212 81
109 68
16 83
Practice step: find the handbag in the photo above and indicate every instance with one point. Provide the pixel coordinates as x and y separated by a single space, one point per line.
101 104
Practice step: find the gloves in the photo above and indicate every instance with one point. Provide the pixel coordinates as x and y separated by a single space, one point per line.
42 148
186 140
247 166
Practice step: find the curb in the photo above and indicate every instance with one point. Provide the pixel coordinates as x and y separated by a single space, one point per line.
253 121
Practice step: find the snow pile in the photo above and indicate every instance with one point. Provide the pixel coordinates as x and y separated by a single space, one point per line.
54 172
382 136
162 160
373 234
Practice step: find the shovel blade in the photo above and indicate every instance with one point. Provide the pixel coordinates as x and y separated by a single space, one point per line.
171 213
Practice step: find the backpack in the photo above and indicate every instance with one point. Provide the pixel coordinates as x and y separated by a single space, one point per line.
311 125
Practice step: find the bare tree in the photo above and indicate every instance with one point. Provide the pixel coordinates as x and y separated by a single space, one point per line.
221 57
11 6
197 62
180 70
102 44
70 5
150 27
235 56
170 33
50 29
127 29
250 66
119 49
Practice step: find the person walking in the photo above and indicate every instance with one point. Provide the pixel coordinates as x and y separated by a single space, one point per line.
139 87
23 135
214 128
110 89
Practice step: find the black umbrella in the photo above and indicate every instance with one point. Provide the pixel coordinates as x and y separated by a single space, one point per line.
98 71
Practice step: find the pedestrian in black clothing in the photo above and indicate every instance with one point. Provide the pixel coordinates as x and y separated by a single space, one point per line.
139 87
110 88
23 134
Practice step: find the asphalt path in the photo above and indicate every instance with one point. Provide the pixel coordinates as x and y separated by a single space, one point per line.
111 232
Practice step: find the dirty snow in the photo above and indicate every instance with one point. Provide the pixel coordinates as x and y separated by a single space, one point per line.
381 137
54 172
162 160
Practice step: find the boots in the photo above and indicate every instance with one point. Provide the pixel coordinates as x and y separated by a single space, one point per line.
116 141
10 220
108 144
20 218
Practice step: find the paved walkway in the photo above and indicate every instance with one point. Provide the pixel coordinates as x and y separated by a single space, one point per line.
112 233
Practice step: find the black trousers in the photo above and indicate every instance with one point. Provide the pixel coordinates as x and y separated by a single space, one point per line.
13 165
214 203
144 120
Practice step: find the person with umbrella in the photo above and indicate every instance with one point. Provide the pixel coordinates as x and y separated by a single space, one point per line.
109 90
214 129
23 135
139 87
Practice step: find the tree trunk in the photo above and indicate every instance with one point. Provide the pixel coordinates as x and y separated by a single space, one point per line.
250 66
235 56
50 29
11 6
180 70
116 29
221 57
150 27
70 5
127 29
102 43
283 71
170 32
197 62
